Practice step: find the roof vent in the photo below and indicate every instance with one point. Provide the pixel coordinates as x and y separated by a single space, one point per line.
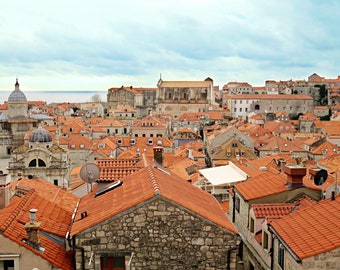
83 214
263 168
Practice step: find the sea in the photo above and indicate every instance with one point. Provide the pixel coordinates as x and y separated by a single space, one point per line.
58 96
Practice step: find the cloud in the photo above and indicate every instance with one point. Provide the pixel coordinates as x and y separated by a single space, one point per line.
132 42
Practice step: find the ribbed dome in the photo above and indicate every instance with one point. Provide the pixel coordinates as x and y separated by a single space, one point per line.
17 95
40 135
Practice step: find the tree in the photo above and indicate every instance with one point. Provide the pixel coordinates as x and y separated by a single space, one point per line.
96 98
323 95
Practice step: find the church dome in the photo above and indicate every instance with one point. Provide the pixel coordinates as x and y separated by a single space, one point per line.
40 135
17 95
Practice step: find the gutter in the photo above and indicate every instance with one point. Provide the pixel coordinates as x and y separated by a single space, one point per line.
296 258
71 243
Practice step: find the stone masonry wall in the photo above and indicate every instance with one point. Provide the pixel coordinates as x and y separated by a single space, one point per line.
158 235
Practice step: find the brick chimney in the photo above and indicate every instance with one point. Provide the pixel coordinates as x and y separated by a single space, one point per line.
32 228
295 174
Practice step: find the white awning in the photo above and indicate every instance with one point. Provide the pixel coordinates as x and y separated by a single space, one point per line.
224 175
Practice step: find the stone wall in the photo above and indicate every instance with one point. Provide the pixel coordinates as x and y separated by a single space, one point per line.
329 260
158 235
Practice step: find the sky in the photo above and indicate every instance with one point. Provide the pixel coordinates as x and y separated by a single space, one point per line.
96 45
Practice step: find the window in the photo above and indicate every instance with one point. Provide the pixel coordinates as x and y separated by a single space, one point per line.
234 144
252 225
55 182
265 240
281 256
240 109
237 204
7 264
112 263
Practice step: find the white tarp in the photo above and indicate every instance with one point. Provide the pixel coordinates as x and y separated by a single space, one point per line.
224 175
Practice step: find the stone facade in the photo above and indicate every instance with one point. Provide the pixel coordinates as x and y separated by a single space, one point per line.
178 97
158 235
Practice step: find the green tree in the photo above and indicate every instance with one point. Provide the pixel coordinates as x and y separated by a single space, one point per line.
323 95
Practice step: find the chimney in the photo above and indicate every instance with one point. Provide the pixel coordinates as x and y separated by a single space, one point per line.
32 228
158 154
295 174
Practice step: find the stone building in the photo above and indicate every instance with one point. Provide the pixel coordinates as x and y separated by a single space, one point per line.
317 246
178 97
142 99
242 105
153 220
228 144
268 188
40 157
16 123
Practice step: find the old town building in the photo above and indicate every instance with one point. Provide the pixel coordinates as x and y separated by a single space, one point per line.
153 220
178 97
16 123
40 157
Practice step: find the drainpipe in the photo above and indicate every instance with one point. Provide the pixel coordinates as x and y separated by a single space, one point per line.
234 195
229 255
272 253
72 244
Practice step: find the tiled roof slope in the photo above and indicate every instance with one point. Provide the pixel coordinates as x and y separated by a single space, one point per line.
144 185
267 183
112 169
313 231
54 220
47 190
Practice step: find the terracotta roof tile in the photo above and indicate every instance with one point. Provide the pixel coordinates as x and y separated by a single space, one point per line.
265 184
141 186
313 231
54 220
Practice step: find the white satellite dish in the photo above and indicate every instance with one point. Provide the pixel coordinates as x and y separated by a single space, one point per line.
89 173
330 189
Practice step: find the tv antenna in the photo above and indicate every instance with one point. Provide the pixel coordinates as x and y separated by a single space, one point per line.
89 173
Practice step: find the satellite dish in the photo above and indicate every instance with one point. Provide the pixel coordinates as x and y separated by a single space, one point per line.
320 177
330 189
89 173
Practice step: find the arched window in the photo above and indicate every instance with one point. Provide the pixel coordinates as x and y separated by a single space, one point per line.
257 107
33 163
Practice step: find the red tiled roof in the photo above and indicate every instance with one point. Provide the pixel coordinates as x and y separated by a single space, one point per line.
265 184
272 211
142 186
113 169
313 231
54 220
47 190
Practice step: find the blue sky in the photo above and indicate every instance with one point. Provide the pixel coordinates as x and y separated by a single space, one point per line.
95 45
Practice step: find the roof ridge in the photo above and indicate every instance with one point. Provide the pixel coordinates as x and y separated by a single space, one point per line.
153 181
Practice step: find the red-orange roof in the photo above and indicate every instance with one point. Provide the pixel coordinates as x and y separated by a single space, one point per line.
54 220
142 186
265 184
313 231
